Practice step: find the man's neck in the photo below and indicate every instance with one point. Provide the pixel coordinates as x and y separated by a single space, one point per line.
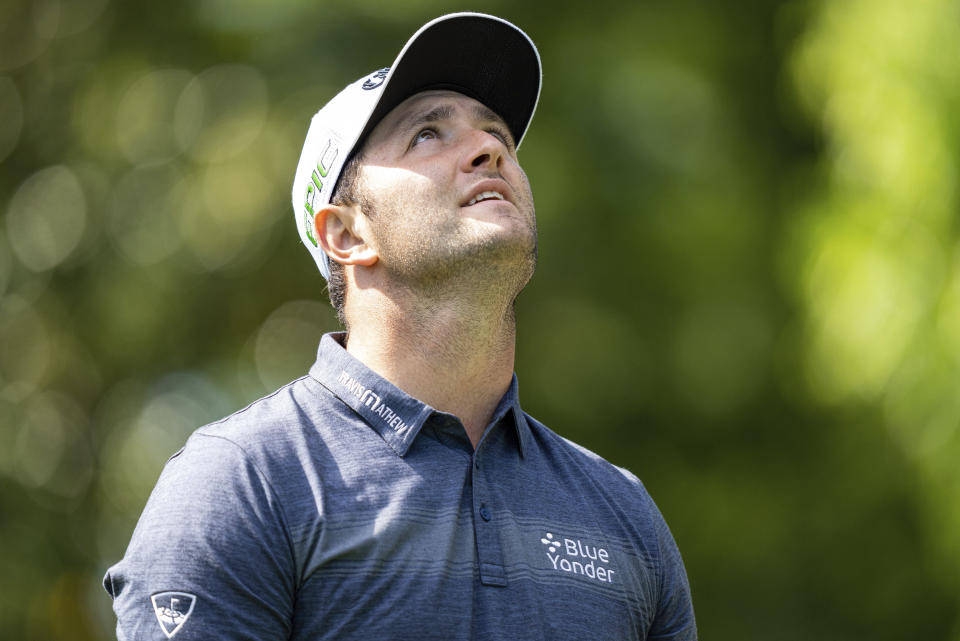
454 356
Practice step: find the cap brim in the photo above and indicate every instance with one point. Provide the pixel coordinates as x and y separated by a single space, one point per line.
480 56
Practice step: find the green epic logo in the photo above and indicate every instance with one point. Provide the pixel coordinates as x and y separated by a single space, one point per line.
315 186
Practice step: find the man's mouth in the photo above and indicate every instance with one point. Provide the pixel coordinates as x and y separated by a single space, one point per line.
485 195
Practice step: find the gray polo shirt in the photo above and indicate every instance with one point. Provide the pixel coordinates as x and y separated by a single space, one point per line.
340 507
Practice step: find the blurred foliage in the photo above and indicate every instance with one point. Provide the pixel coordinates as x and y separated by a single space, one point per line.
749 289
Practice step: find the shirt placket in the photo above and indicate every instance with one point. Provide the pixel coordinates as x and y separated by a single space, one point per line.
485 523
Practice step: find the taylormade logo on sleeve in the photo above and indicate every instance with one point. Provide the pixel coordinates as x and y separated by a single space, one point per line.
172 610
372 400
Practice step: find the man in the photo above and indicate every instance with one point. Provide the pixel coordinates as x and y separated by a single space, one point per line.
398 491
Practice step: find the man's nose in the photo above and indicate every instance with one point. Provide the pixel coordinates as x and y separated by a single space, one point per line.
483 151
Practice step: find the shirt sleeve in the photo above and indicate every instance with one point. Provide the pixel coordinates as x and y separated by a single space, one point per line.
210 557
674 619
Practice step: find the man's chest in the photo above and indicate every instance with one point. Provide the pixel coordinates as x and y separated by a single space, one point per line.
471 552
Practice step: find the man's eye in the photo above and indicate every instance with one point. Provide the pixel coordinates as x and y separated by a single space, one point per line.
424 134
502 136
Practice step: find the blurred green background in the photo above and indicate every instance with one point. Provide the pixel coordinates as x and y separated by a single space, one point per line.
748 293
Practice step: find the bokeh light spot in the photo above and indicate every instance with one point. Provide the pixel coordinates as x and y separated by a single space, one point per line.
286 343
143 222
20 41
78 15
6 263
46 18
52 452
145 117
224 211
948 315
11 106
141 442
221 112
867 289
26 350
46 218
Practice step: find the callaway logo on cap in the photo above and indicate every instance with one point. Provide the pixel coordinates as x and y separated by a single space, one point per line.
480 56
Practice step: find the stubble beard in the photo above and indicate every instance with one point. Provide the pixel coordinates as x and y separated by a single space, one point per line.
439 255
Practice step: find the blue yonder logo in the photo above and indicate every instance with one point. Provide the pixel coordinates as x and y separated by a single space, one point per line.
574 556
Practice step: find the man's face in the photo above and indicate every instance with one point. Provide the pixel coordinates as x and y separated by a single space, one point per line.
445 194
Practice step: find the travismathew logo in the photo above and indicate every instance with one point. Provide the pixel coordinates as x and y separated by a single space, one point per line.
576 557
374 402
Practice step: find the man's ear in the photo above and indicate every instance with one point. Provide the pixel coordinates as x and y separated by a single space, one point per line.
343 234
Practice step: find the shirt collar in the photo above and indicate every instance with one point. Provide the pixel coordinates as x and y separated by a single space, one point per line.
395 415
510 404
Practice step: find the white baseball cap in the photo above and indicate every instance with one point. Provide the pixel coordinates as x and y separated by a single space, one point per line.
478 55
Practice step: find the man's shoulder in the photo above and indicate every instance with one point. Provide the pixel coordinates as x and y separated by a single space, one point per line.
269 439
582 457
272 423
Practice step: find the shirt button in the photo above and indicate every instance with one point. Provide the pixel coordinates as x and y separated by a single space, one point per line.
484 513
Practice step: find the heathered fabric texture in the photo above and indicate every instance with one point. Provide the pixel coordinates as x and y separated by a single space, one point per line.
341 508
